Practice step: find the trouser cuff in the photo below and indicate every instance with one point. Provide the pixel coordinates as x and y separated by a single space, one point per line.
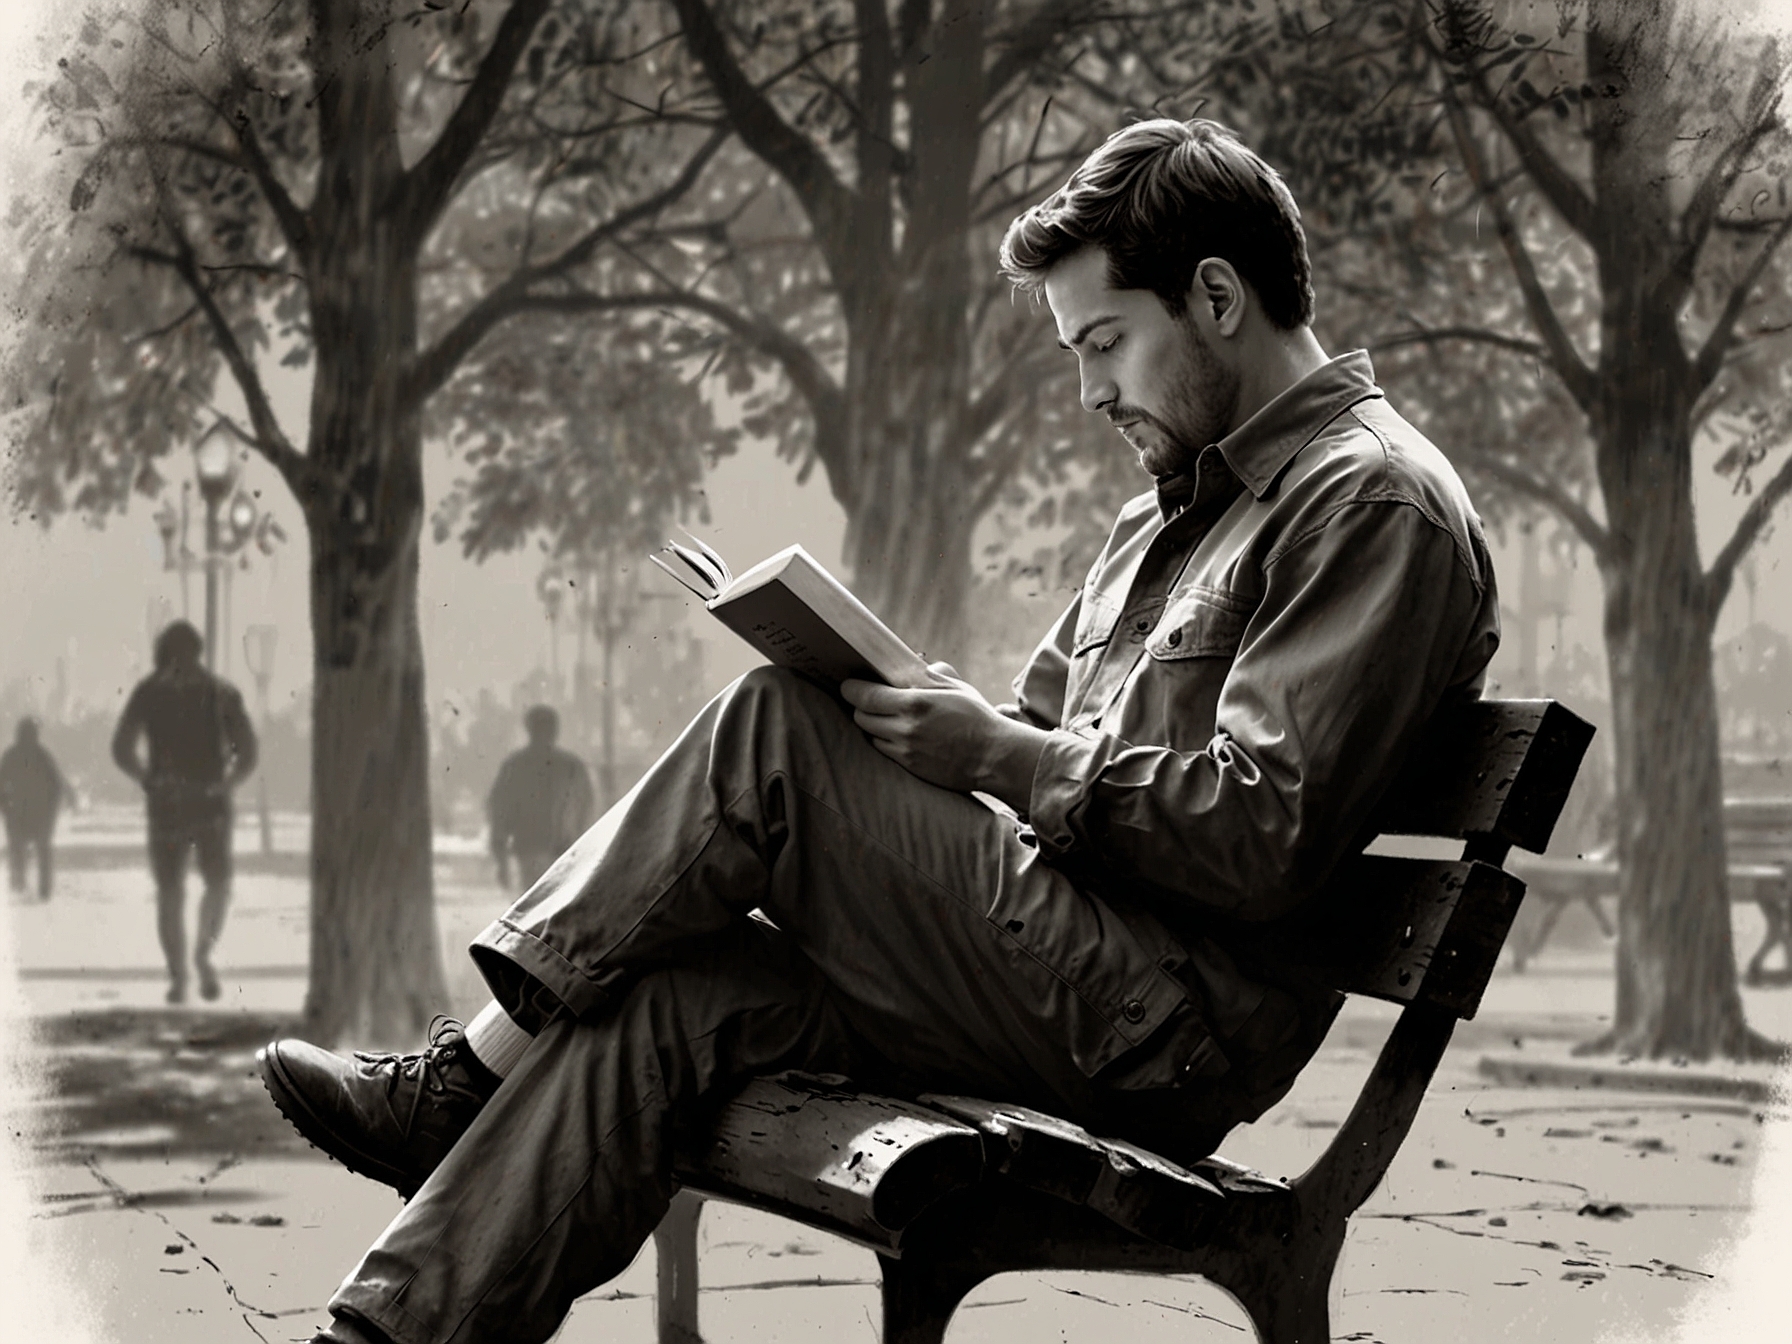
531 981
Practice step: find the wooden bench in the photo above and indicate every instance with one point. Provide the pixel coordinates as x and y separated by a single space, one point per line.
949 1191
1758 845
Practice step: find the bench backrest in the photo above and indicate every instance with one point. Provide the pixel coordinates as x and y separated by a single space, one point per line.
1758 830
1493 774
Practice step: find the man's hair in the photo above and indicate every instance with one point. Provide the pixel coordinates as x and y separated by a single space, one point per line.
26 732
541 723
1160 197
178 644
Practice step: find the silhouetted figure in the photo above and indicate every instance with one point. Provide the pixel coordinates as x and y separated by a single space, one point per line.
540 803
31 793
200 748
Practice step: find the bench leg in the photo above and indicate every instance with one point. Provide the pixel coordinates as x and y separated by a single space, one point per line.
1530 947
1605 925
920 1296
1288 1299
1777 910
675 1245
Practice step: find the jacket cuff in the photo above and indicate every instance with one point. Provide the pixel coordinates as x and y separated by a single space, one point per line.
1061 783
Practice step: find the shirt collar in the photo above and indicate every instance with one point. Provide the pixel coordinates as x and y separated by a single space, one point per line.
1259 448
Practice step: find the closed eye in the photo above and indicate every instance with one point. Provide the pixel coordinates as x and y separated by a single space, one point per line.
1108 344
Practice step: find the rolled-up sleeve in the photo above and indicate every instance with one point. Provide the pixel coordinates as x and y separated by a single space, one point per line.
1358 637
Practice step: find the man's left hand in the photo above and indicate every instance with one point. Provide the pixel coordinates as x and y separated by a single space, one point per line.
949 735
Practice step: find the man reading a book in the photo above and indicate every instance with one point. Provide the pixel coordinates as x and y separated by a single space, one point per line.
1194 745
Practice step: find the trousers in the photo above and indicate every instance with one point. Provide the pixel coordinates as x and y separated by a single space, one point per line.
23 835
773 894
176 826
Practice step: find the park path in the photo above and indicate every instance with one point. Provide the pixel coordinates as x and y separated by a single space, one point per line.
160 1181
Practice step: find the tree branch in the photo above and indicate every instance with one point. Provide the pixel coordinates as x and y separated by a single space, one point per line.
268 438
1548 492
1697 220
1748 529
805 371
1723 334
1478 335
437 364
1043 30
826 201
1557 184
1563 357
430 181
295 223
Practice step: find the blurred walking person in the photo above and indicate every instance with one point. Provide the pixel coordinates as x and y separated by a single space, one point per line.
200 748
540 803
32 790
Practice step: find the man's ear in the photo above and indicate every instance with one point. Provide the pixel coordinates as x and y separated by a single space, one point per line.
1218 288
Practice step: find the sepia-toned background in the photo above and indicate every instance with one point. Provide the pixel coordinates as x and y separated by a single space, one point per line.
620 304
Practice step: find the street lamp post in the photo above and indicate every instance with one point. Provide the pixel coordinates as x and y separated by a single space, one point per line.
214 464
228 531
258 655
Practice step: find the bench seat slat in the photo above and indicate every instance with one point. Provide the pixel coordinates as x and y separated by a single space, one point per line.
1130 1186
861 1165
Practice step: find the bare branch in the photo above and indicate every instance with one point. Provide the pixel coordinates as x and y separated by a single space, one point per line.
430 181
437 364
826 201
1477 335
1723 333
1563 357
1042 31
1748 530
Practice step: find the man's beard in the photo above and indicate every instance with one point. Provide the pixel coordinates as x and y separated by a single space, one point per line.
1198 410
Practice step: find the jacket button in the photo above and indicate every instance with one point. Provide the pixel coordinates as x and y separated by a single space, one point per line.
1134 1011
1174 639
1144 624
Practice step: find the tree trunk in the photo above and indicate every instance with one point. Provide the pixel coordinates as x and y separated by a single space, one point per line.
1677 992
912 497
376 969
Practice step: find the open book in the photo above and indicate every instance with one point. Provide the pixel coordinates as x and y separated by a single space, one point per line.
798 615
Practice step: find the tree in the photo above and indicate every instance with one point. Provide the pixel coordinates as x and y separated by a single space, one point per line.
590 439
902 139
1597 195
326 181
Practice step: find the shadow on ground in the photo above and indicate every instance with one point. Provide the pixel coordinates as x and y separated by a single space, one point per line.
157 1083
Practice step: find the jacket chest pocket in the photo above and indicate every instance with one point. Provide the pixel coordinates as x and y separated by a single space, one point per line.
1201 623
1094 625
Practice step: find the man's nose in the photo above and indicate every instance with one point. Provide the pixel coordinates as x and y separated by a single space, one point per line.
1098 389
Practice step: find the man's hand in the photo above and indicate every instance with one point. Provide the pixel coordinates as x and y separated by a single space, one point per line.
503 871
949 735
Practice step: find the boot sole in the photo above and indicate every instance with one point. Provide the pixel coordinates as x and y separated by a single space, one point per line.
290 1102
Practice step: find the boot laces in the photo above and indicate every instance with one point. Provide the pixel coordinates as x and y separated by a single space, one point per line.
423 1067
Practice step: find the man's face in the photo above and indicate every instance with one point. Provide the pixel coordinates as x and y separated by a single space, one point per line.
1155 377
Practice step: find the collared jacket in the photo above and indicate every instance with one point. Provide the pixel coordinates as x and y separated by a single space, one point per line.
1241 677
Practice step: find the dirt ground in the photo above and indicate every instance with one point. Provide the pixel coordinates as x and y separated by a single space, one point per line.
159 1197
